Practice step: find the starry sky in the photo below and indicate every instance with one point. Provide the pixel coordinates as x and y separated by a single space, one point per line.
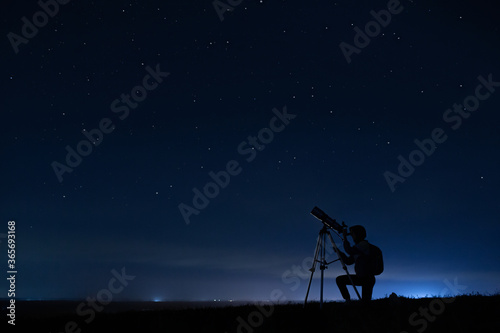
187 143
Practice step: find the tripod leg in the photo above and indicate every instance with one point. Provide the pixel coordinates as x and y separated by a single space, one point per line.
313 267
322 267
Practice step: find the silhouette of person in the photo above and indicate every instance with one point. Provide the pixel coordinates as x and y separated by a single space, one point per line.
359 256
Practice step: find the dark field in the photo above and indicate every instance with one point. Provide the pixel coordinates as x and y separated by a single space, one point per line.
462 314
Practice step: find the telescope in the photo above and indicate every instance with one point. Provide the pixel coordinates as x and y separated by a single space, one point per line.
327 220
320 252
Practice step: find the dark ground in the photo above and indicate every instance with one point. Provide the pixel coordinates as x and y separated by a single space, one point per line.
473 313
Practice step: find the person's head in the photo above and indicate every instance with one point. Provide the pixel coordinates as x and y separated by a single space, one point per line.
358 233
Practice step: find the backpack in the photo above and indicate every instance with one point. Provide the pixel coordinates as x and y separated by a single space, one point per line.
376 260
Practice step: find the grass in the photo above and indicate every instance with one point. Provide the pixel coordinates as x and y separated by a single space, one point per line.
468 313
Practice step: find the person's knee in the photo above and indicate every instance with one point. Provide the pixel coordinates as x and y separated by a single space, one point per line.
340 279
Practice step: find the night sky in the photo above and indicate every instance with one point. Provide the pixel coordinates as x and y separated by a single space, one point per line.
155 138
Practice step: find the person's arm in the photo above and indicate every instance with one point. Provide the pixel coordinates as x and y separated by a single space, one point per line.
351 250
347 246
347 260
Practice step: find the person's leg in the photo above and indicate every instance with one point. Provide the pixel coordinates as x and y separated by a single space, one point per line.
367 287
342 282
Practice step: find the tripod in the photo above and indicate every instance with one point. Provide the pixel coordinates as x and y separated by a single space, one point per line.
323 264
